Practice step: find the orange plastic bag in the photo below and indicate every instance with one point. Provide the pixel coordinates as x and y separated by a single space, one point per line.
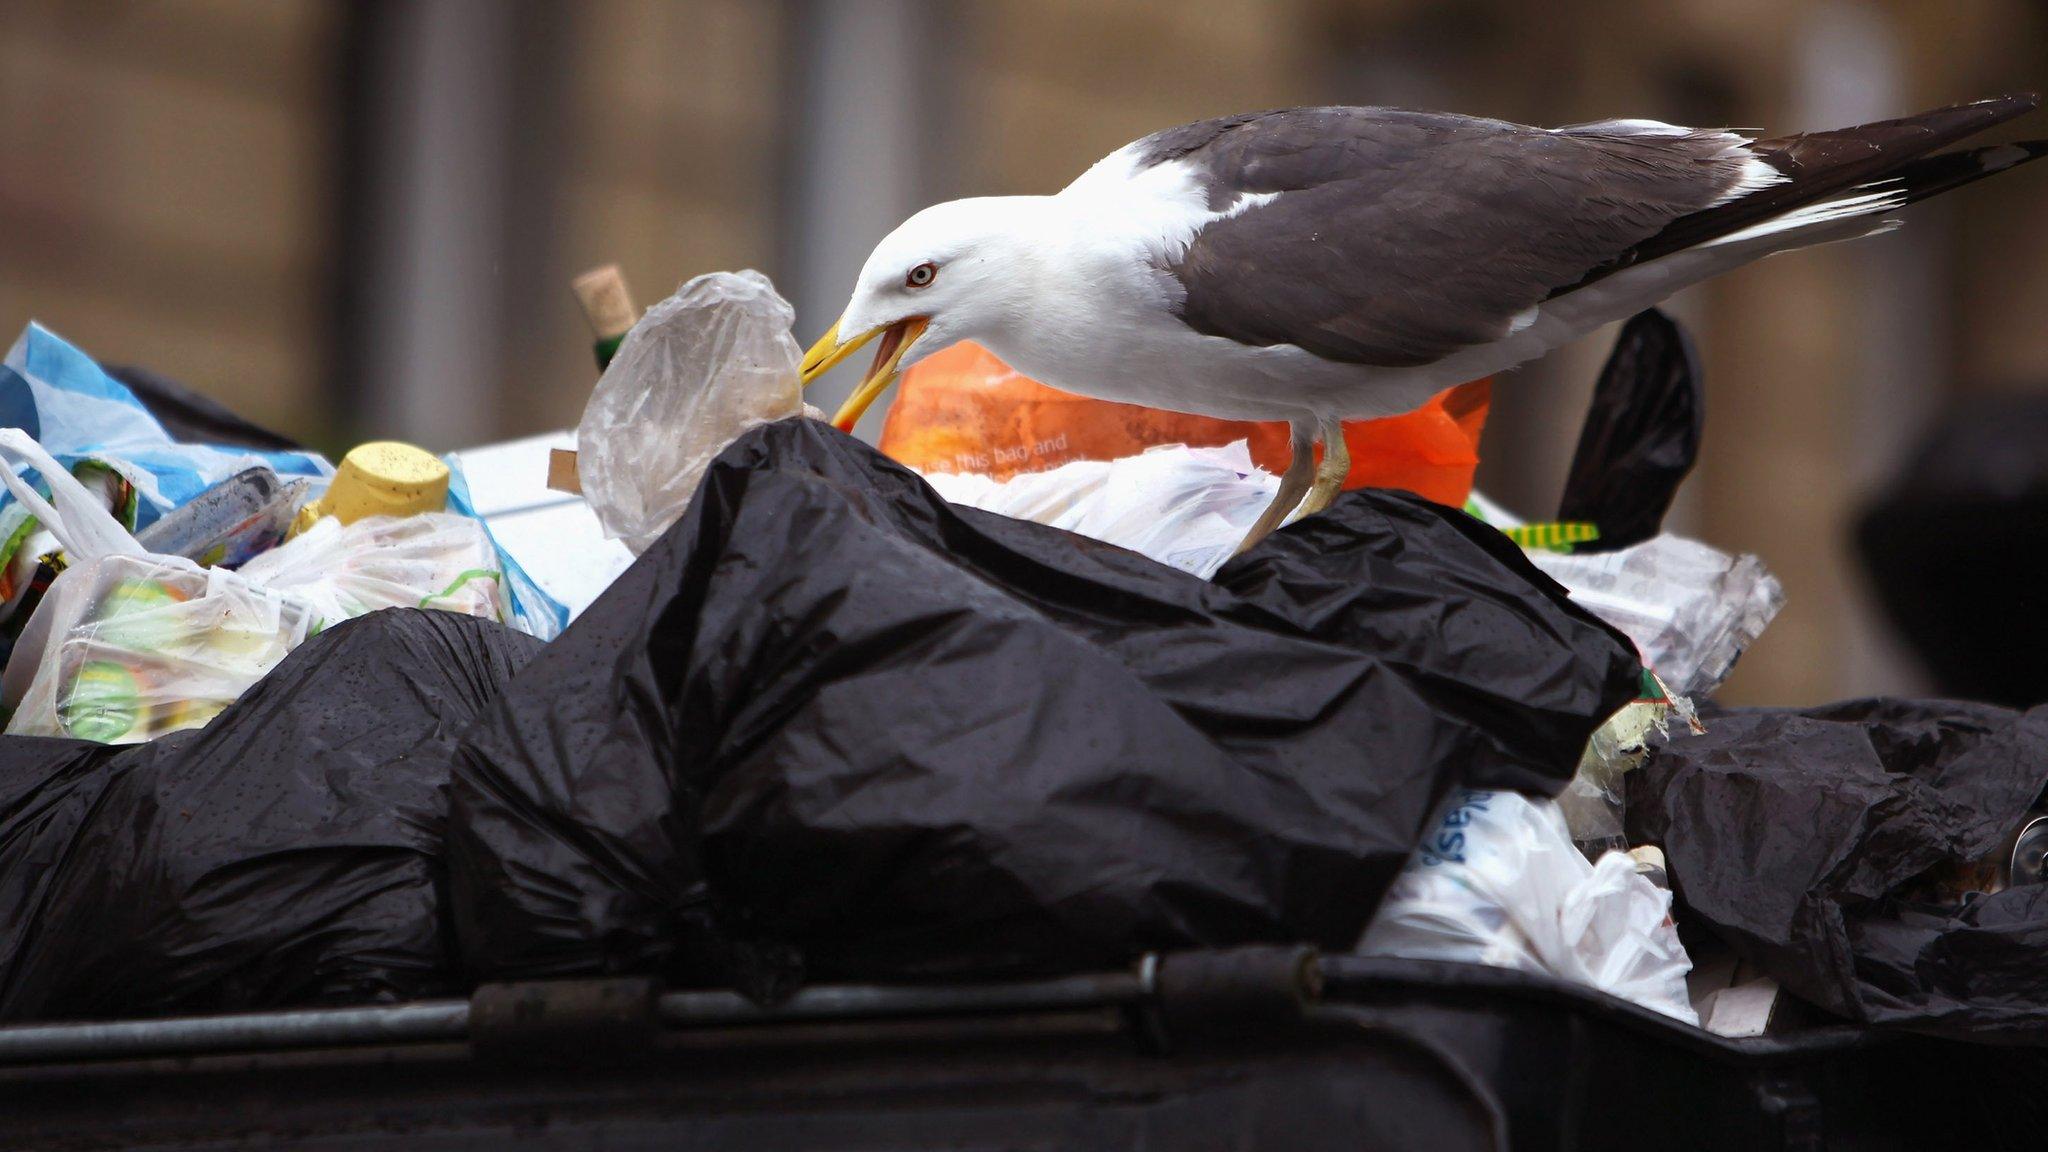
964 410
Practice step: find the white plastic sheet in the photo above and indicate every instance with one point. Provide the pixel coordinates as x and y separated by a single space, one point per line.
1499 882
1690 609
1187 507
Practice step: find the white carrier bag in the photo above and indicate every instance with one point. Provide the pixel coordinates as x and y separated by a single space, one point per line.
127 644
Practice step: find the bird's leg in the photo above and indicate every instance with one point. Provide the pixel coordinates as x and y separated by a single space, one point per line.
1331 472
1301 458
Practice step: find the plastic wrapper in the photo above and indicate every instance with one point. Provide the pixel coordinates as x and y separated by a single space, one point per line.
1498 881
698 369
1806 840
1692 610
287 854
829 716
1641 435
434 560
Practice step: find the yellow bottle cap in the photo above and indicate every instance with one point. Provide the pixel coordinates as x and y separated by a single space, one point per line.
385 478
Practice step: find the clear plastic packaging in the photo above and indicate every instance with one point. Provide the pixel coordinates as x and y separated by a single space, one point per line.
138 647
232 522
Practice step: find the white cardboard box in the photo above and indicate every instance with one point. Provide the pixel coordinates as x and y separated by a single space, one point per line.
553 535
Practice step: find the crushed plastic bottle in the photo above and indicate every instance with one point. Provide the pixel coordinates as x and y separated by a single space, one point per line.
1593 803
699 368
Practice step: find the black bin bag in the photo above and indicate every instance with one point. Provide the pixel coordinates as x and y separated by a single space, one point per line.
829 712
1641 436
285 854
1815 843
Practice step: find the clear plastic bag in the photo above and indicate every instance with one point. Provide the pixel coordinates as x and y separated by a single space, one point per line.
128 645
434 560
146 647
1498 881
699 368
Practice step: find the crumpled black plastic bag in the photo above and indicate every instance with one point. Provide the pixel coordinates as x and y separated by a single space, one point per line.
1796 836
830 711
285 854
1641 436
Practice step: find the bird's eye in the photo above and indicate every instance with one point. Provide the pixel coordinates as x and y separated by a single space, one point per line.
921 275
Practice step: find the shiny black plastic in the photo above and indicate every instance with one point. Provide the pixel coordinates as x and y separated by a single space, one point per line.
285 854
1641 436
831 715
1815 842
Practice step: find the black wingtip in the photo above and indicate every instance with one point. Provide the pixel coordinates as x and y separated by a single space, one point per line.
2011 104
1933 175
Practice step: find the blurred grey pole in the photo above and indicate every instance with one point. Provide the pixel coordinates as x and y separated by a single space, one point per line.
435 140
1851 70
860 150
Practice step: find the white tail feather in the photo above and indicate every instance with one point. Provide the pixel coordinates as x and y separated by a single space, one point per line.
1792 227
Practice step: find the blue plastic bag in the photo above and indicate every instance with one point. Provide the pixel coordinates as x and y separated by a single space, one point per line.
529 609
81 415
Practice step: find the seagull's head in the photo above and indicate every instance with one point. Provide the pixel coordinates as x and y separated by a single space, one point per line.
953 272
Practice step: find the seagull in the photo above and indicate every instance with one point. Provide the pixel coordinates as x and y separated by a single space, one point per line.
1317 265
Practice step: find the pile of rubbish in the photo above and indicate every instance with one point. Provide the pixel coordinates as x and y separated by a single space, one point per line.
712 692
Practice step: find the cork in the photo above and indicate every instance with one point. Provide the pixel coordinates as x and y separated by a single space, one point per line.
607 304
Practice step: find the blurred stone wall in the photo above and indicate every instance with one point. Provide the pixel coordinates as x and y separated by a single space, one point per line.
166 182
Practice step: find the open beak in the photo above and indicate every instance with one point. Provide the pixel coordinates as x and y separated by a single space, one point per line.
830 350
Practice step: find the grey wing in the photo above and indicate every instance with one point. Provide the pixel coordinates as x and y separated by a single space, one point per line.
1399 237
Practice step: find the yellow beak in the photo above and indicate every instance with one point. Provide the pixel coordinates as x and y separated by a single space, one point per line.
830 350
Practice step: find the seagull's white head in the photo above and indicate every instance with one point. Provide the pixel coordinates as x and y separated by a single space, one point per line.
955 271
